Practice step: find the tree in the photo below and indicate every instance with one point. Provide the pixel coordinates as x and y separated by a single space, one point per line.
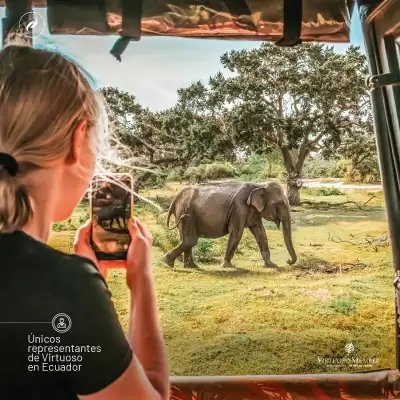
175 137
299 100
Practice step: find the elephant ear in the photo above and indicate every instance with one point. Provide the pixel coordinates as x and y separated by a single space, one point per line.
257 199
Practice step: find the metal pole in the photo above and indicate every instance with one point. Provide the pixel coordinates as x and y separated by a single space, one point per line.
388 157
16 15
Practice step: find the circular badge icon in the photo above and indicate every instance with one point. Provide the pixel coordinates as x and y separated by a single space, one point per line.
31 25
61 323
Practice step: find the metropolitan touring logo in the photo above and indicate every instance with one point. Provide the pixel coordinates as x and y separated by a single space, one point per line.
350 360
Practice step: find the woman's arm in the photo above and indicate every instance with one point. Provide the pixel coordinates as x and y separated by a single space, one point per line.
145 334
146 377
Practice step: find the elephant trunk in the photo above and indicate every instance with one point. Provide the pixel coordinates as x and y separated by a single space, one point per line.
287 235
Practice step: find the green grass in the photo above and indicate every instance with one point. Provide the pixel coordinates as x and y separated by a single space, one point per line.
253 320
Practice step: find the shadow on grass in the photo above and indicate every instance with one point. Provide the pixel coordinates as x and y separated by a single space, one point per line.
222 273
313 265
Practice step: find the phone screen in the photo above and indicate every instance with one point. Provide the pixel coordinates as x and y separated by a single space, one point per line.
111 207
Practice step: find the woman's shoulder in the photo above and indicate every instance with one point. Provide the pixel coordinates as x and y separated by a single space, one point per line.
26 250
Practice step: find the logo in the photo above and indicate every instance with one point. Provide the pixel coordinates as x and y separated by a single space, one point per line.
31 24
61 323
349 348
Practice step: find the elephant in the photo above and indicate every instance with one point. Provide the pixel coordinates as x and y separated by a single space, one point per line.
111 213
109 194
218 209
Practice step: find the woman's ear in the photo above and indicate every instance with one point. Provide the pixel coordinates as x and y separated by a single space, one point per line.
79 140
257 199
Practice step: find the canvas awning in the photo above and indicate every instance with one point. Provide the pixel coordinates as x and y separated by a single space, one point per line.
322 20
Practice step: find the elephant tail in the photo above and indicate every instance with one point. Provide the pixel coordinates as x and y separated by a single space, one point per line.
171 211
178 222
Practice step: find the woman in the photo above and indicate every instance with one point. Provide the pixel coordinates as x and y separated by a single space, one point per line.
50 136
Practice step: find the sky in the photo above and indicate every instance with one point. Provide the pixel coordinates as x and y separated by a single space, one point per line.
155 67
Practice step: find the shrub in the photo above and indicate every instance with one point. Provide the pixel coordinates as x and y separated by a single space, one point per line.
322 191
220 170
366 172
257 167
156 180
195 174
343 306
204 251
340 168
328 192
204 172
174 175
319 168
166 240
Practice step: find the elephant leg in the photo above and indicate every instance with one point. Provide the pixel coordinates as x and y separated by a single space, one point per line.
188 259
118 222
258 232
173 254
188 240
233 242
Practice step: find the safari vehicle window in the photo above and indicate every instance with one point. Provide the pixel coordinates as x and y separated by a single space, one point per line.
257 173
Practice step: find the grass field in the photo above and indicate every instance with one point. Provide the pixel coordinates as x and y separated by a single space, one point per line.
253 320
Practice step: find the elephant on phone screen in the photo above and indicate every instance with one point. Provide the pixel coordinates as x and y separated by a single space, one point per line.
111 213
216 210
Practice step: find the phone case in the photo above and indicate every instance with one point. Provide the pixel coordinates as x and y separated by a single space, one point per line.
111 207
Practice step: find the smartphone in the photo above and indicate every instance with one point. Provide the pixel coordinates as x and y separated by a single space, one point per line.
111 207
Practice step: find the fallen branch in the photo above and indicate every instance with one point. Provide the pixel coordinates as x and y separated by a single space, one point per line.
337 239
327 205
375 242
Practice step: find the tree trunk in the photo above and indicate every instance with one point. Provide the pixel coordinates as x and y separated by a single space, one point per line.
139 182
294 184
270 166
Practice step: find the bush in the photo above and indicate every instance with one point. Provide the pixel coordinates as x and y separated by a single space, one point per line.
156 180
204 251
340 168
166 240
174 175
204 172
195 174
329 192
322 191
366 172
220 170
319 168
256 167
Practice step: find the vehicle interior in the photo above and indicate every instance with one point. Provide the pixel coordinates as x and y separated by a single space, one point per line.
285 23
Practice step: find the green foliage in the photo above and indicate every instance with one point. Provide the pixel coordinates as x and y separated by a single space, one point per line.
174 174
204 251
204 172
343 306
156 180
220 170
261 167
195 174
366 172
166 240
322 192
328 192
319 168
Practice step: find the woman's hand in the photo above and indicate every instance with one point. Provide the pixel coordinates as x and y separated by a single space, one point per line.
139 252
82 246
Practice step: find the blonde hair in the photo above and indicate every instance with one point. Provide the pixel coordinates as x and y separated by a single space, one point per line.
43 99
